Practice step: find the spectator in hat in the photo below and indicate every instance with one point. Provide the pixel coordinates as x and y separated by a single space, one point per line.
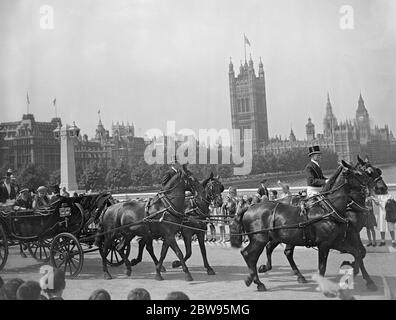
65 193
7 189
177 295
315 178
30 290
9 290
58 284
100 294
24 200
41 199
139 294
273 195
286 196
262 191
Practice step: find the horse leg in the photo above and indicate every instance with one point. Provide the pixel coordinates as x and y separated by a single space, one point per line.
128 266
289 251
201 241
187 238
179 254
138 259
269 248
164 251
353 248
323 255
21 252
150 250
103 252
251 253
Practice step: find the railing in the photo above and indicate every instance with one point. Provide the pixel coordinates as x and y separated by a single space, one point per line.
294 190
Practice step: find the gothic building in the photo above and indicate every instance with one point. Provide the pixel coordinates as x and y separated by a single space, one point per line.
346 138
29 141
248 102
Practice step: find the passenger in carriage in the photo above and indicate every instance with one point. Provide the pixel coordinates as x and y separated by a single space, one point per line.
56 191
24 200
41 199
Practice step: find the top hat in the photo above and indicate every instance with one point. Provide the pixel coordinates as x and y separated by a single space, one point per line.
314 150
264 181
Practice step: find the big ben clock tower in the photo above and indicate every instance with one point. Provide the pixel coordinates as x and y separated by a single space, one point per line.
363 121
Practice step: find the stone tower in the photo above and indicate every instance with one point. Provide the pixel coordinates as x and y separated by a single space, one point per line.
310 130
68 135
248 102
363 121
329 121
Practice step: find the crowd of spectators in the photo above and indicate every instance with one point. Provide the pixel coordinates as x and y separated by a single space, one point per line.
46 289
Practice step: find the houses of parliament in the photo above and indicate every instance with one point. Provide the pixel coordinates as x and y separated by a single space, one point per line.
346 138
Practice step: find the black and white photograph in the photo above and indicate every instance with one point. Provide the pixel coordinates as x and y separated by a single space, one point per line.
208 150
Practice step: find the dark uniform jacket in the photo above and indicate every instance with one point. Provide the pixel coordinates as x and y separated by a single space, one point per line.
27 204
263 192
314 175
4 195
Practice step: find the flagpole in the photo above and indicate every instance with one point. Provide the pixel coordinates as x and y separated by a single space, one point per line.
244 44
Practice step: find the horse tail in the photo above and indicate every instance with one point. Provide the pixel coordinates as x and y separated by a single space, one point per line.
236 229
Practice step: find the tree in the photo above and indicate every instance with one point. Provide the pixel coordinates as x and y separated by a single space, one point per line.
118 177
33 176
54 178
93 177
141 175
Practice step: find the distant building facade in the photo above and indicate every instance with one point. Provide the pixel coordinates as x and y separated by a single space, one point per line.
29 141
347 139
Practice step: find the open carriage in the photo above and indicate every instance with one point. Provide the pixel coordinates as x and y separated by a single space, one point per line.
59 234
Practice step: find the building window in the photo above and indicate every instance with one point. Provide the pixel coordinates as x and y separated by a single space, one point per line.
247 105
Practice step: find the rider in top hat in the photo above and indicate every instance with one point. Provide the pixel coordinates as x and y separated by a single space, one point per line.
315 178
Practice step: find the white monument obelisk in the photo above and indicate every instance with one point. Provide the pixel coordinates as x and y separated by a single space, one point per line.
67 135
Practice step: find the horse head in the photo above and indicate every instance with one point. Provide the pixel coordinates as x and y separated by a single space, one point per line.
213 189
377 184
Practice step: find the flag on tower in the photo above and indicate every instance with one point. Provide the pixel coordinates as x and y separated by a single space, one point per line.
246 40
27 98
54 102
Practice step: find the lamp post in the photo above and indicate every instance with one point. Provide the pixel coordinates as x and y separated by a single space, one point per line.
68 135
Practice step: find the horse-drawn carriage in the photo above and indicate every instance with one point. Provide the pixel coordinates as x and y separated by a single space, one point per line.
60 233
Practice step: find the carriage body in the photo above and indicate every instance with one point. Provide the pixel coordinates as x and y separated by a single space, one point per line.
67 224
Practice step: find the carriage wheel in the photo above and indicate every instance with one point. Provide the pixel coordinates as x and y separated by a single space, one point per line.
40 250
66 254
114 257
3 248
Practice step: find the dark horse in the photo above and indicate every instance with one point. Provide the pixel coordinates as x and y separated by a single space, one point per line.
158 218
323 224
197 210
356 214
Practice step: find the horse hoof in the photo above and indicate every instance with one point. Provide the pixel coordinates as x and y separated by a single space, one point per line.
301 280
261 287
158 277
263 268
107 276
128 272
134 262
176 264
23 255
163 269
371 286
210 272
248 281
189 277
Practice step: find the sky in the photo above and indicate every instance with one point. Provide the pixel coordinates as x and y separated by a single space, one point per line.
149 61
